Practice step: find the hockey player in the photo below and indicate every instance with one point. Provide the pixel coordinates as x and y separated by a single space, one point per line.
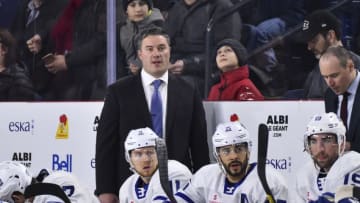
71 187
233 178
144 185
14 178
330 167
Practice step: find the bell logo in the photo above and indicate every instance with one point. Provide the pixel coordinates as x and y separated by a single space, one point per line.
65 165
62 131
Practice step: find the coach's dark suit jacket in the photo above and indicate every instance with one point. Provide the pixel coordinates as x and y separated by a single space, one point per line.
125 108
353 133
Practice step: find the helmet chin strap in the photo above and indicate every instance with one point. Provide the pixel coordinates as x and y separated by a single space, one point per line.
221 165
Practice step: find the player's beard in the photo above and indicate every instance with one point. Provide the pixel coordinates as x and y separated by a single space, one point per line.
325 164
237 174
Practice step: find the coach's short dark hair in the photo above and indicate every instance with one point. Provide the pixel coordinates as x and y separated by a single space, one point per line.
150 32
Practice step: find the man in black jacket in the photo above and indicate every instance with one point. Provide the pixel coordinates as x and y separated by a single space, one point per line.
343 95
128 105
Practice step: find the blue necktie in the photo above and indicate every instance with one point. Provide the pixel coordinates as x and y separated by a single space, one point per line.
156 108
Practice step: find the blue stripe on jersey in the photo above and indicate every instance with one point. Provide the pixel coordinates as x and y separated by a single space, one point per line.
160 198
177 185
185 197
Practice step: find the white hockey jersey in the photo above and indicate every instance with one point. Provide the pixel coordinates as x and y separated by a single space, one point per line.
131 192
70 185
209 185
345 171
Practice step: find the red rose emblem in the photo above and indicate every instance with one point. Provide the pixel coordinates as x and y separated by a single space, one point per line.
63 119
234 117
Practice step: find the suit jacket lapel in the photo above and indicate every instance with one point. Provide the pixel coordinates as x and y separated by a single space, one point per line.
172 103
333 101
355 115
139 100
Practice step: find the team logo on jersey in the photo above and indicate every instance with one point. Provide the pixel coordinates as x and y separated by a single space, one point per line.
230 188
22 127
62 131
140 192
68 190
22 157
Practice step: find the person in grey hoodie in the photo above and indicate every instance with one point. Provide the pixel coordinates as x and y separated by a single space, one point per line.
141 15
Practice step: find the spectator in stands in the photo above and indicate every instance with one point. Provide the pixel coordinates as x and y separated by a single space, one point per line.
79 36
186 24
35 17
156 99
321 29
343 93
15 83
349 16
266 20
273 17
235 83
141 15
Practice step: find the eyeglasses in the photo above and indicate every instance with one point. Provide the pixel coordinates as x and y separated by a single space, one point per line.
138 154
325 140
237 149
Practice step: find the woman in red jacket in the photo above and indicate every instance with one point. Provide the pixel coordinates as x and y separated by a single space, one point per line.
235 83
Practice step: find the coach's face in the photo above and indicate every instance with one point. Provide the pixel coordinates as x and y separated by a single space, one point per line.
155 55
338 78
